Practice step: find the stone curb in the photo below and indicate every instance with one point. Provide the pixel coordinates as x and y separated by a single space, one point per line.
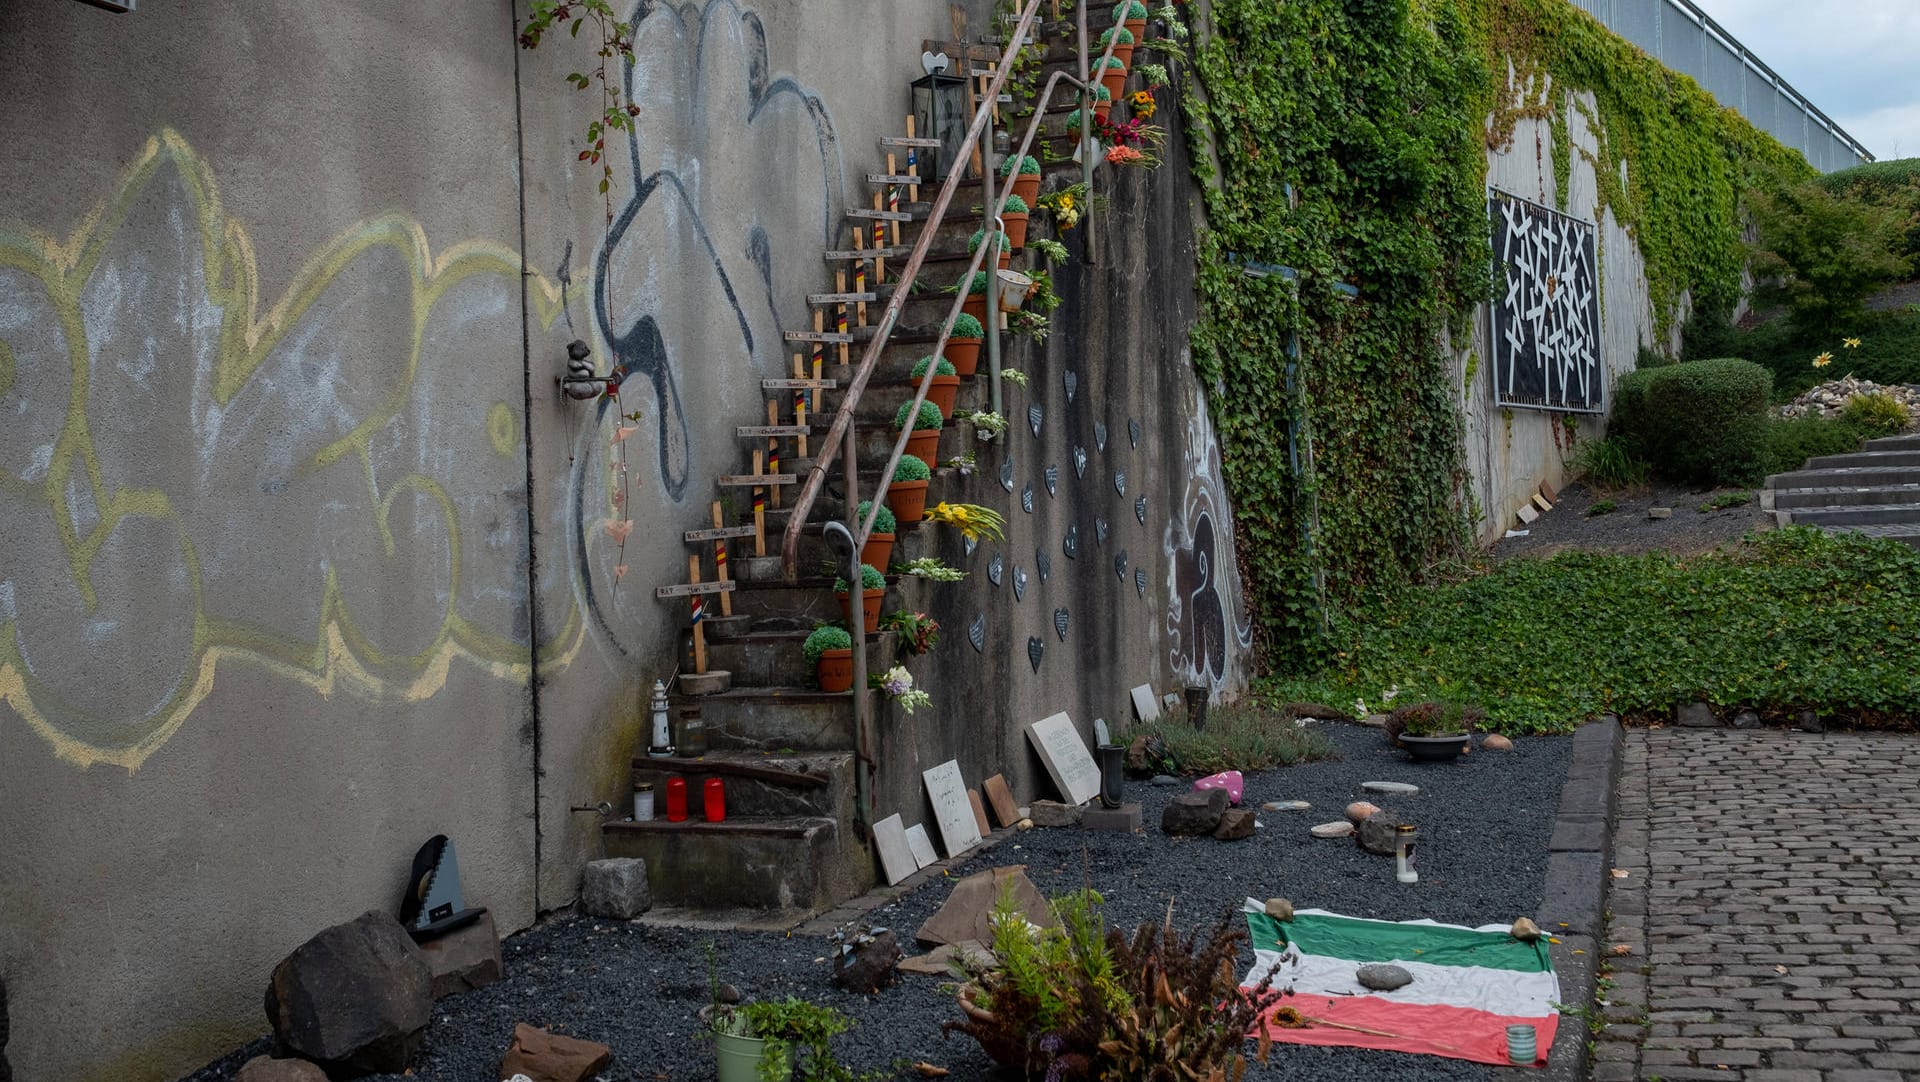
1573 905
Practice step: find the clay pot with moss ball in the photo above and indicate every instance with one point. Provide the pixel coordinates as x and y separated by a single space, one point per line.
976 302
907 492
830 651
1102 102
923 441
1073 125
946 384
963 344
1123 46
873 591
980 237
1013 215
1024 174
1132 14
878 550
1114 77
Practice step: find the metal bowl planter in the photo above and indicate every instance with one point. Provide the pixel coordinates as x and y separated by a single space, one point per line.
1014 288
1436 749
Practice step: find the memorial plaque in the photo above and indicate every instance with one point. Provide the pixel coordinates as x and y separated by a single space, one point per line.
1100 435
1145 706
952 811
921 846
1000 798
1066 757
896 856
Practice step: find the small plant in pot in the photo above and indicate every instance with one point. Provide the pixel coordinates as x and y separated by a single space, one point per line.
924 441
907 493
873 590
1123 42
776 1040
1102 107
963 344
946 383
829 649
1026 180
976 302
1114 75
1434 731
1006 246
1013 214
879 547
1131 14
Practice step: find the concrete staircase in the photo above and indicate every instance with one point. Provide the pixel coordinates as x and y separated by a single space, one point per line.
1875 490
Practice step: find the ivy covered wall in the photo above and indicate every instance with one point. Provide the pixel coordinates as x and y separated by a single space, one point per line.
1350 140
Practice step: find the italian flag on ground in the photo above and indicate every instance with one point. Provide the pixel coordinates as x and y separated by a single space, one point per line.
1469 984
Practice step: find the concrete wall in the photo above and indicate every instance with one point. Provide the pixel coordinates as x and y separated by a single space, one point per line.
1511 451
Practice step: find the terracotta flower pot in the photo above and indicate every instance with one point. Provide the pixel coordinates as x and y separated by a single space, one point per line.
1016 230
963 354
878 549
1136 27
908 502
1102 109
1115 79
975 306
1027 187
1123 52
924 445
835 670
869 610
941 393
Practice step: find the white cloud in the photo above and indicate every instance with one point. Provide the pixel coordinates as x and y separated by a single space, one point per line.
1892 132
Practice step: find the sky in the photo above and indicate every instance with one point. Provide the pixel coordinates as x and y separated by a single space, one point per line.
1858 61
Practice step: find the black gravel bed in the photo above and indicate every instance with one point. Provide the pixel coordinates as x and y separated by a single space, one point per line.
1627 529
1484 824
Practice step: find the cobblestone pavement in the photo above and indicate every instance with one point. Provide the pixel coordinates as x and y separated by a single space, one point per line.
1771 907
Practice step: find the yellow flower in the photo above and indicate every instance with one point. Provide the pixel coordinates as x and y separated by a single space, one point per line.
1823 360
1065 202
1850 343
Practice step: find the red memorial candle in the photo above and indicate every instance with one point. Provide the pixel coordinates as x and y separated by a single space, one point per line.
715 796
676 800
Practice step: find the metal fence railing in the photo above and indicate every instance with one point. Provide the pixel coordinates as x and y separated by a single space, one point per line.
1684 38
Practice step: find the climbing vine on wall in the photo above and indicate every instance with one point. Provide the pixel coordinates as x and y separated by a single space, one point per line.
1347 139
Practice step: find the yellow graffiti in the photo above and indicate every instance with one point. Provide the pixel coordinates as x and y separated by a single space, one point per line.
502 431
340 653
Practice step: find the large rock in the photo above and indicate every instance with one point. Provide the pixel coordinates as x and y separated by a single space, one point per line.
268 1069
1695 716
1195 814
866 963
549 1057
464 959
616 888
1235 824
1376 833
356 998
1052 813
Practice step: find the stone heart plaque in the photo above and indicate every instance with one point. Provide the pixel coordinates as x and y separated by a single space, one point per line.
1133 431
1006 475
1140 510
968 544
1100 435
1019 583
1120 564
1100 530
1035 648
1034 416
1043 563
1140 582
995 567
1072 380
1079 461
1120 482
977 633
1060 623
1026 499
1052 477
933 63
1071 543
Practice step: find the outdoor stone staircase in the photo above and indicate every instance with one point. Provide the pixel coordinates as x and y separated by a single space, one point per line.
1875 490
784 749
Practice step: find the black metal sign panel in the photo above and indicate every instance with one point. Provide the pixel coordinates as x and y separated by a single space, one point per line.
1546 308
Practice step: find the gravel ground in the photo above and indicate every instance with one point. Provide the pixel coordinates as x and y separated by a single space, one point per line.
1484 823
1568 527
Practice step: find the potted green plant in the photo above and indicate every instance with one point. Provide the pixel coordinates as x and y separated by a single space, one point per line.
1434 731
980 236
907 493
1114 75
946 383
976 302
879 547
1123 41
1102 104
963 344
1073 124
924 442
829 650
776 1040
1013 214
1024 173
1132 14
873 589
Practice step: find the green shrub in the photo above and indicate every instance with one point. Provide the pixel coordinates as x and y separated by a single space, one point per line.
1602 507
966 326
1129 9
824 638
1607 464
1029 166
979 282
884 522
1894 184
1124 36
1703 422
1240 736
1822 255
1889 350
869 580
945 369
1790 443
1114 62
911 469
1876 414
980 236
928 418
1014 205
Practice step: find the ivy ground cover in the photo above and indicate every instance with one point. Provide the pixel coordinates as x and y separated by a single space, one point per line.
1785 620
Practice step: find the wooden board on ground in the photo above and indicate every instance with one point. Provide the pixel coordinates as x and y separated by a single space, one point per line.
1000 798
951 811
896 856
1066 757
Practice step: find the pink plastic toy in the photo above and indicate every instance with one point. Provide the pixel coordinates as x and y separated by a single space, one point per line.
1230 780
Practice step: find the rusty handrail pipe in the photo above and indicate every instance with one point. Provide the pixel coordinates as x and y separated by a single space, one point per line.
843 418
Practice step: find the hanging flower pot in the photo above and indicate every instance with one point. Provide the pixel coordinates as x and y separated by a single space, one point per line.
878 549
1014 288
1014 216
963 344
873 592
907 494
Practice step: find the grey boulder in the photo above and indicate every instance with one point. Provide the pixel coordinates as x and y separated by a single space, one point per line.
1195 814
356 998
1382 978
616 888
1377 833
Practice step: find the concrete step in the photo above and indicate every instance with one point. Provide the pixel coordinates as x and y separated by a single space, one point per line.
1846 477
808 601
772 658
1878 457
1864 515
1894 443
800 862
759 785
1906 533
1837 496
777 719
